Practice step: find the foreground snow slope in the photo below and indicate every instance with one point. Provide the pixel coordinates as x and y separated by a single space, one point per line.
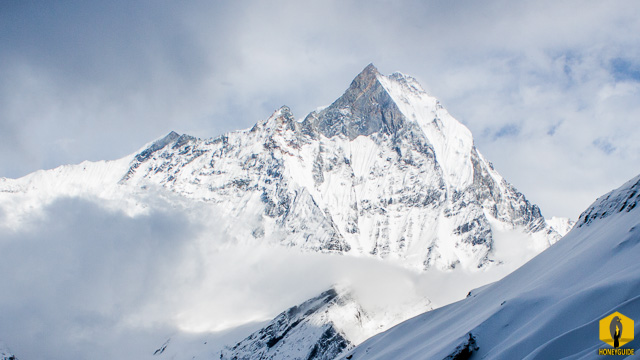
548 308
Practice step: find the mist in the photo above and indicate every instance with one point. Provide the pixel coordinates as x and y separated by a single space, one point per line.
84 279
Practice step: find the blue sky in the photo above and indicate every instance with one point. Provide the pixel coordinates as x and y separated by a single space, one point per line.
550 90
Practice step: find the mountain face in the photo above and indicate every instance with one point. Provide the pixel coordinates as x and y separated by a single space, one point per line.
549 308
305 331
302 324
320 328
384 171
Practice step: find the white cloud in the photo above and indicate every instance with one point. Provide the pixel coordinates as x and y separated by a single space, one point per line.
88 280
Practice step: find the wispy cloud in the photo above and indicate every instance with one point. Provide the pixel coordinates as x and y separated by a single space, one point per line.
74 273
605 145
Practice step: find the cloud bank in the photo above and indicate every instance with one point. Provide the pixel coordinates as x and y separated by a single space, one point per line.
85 279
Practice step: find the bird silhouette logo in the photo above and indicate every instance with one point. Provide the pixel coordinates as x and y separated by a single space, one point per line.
615 328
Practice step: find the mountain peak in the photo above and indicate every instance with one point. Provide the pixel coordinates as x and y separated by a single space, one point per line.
398 107
295 326
365 108
370 72
280 119
157 145
167 139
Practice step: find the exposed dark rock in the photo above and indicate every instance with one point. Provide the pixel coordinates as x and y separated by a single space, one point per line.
280 336
365 108
623 199
464 350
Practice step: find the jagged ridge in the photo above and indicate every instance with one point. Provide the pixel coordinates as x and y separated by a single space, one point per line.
384 170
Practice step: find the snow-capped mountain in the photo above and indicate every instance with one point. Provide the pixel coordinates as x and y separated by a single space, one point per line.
548 308
384 171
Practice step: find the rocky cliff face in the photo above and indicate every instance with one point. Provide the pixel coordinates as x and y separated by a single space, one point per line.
301 332
321 328
366 108
384 171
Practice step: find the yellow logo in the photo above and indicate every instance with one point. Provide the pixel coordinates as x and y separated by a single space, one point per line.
616 330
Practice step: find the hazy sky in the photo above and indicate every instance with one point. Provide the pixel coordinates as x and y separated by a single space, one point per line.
550 89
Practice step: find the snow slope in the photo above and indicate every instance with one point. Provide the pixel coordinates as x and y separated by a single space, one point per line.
548 308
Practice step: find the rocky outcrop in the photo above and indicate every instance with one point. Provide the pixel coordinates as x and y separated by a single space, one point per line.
301 332
623 199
